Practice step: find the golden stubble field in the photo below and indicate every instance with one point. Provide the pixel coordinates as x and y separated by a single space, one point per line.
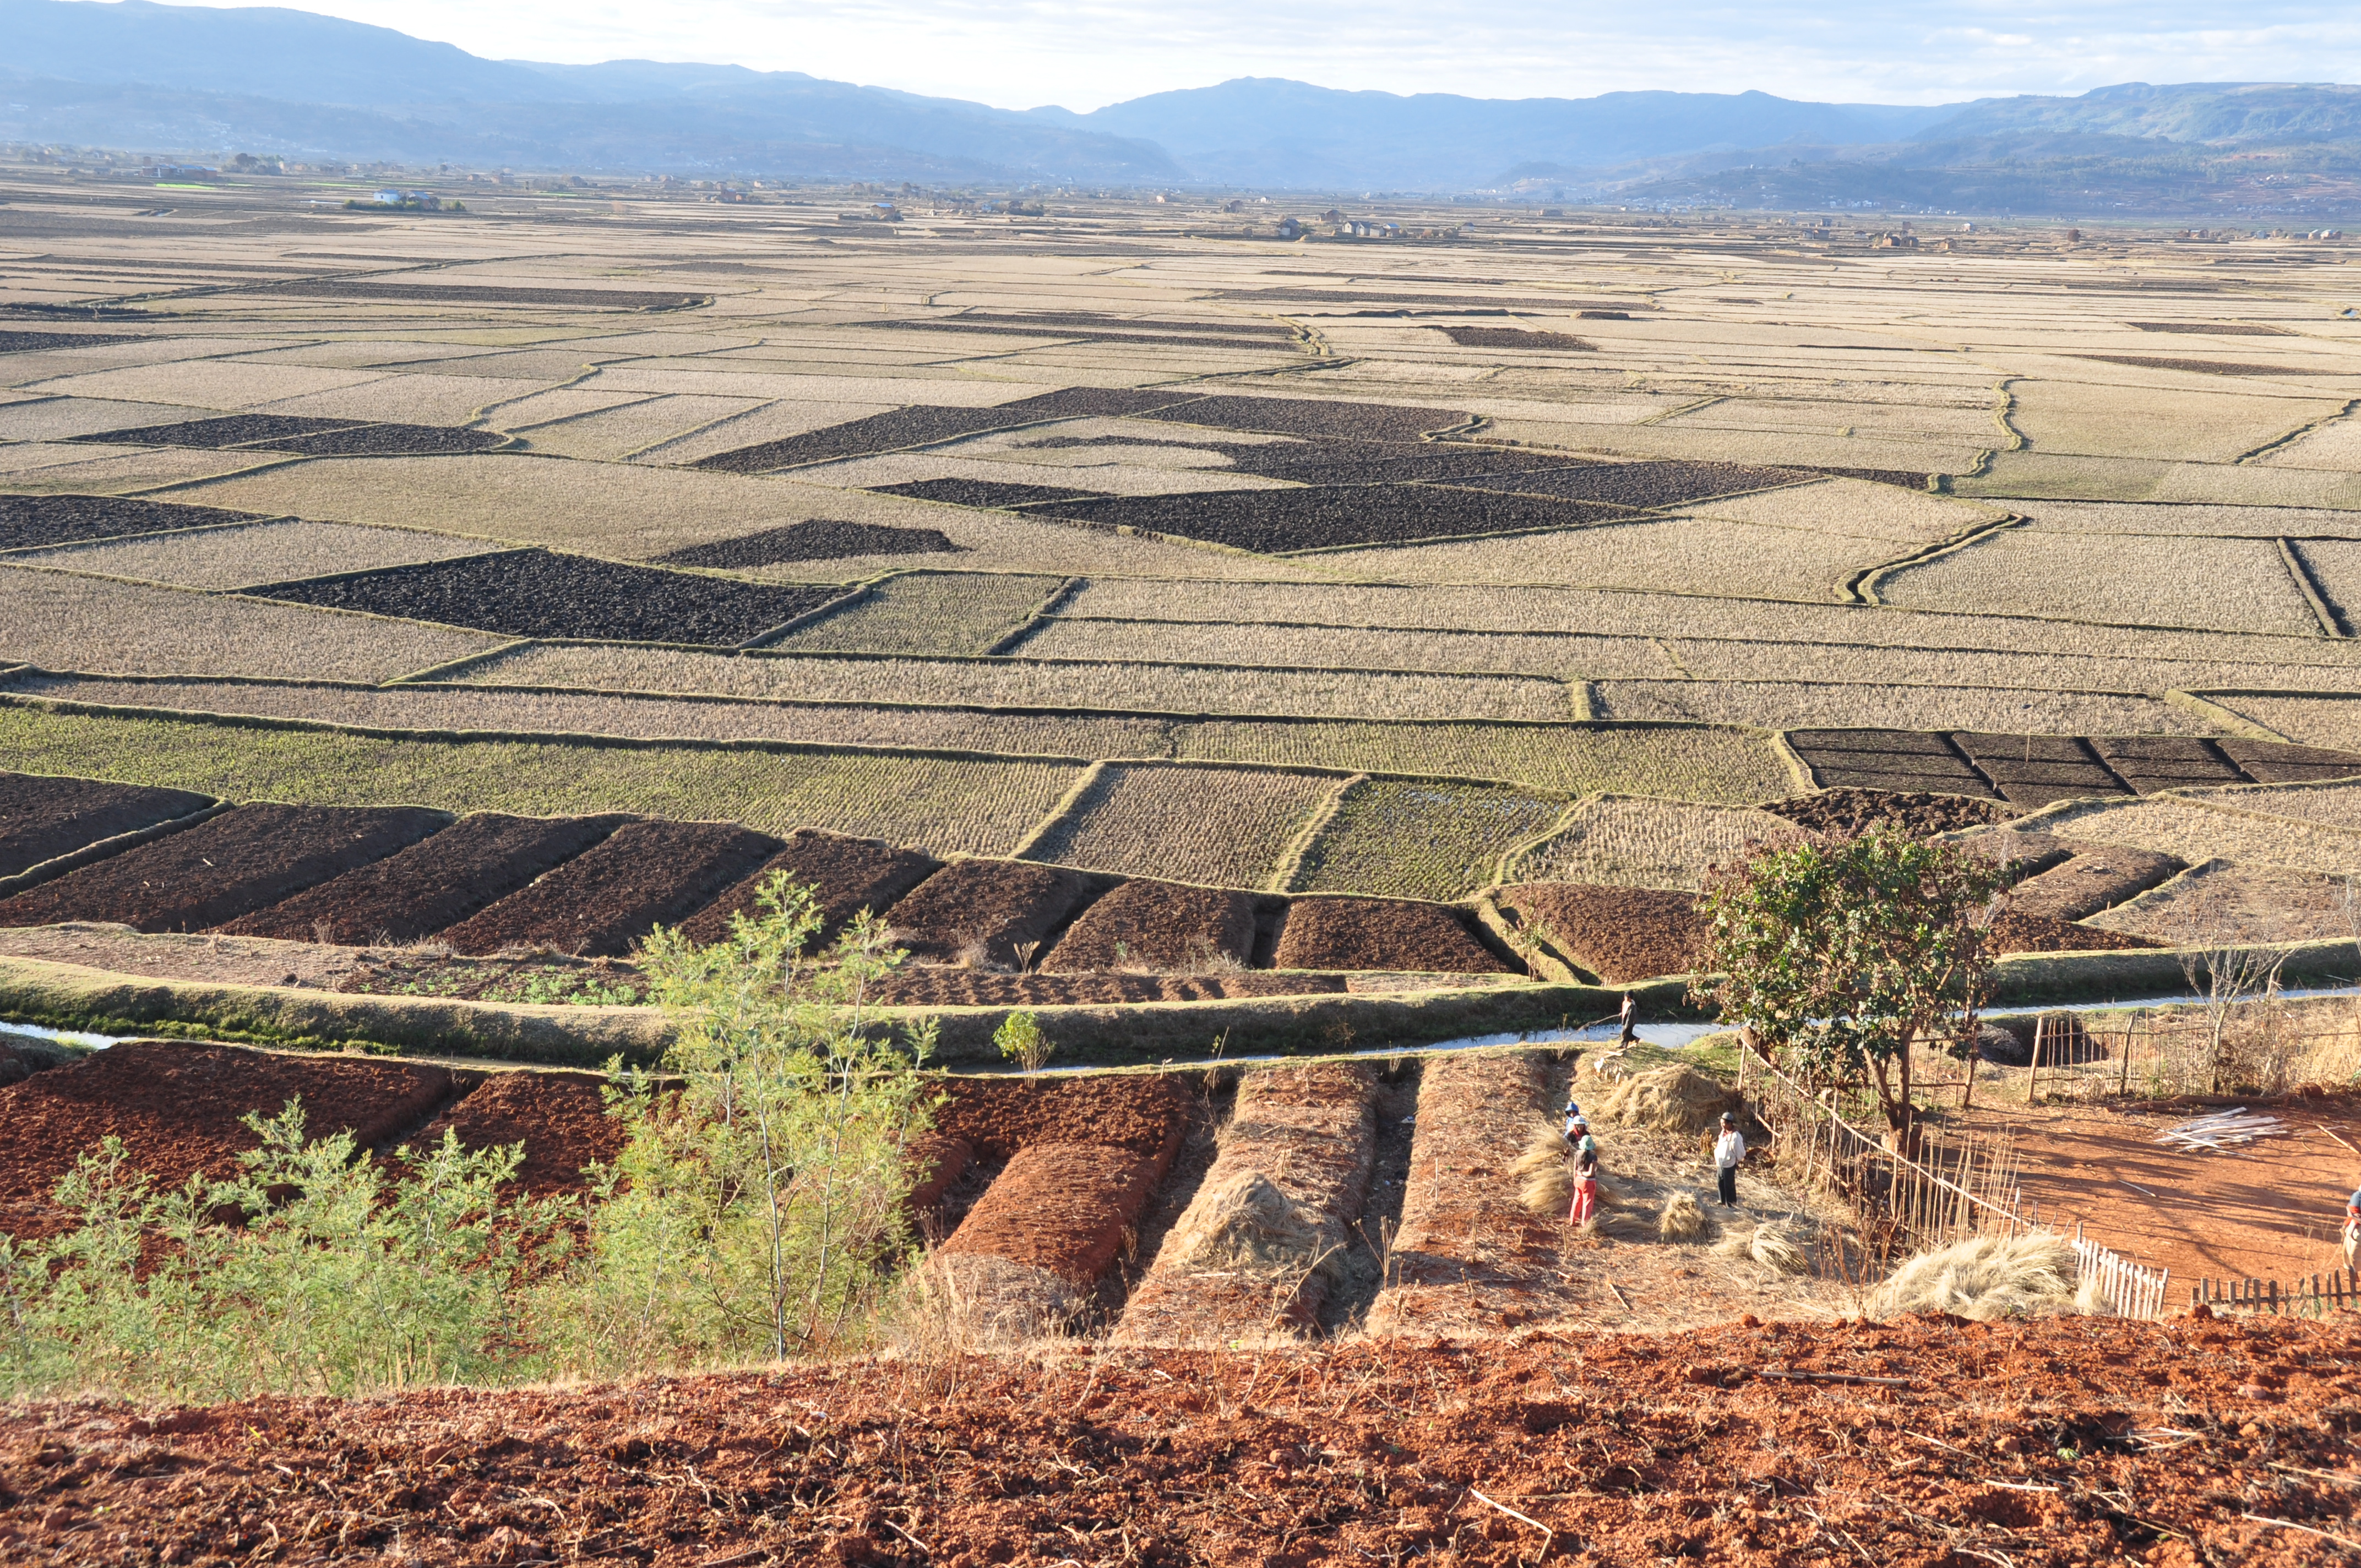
1125 483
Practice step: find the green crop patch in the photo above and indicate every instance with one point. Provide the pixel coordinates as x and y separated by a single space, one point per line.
1416 838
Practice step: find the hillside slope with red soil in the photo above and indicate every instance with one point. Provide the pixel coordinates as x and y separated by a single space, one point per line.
2064 1441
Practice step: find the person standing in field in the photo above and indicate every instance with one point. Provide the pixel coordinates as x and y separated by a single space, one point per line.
2352 1233
1585 1182
1629 1019
1729 1152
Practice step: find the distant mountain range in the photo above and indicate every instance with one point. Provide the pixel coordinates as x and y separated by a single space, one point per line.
172 78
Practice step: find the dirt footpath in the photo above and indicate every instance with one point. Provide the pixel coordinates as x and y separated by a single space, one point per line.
2067 1441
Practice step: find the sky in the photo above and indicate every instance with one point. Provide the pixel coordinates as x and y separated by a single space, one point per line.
1085 53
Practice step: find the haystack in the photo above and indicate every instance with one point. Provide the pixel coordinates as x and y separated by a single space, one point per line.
1245 1222
1770 1247
1681 1221
1986 1277
1545 1172
1675 1098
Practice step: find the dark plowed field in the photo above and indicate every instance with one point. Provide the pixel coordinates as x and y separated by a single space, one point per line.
433 884
223 867
981 913
847 875
604 899
1848 813
819 540
1147 925
1323 517
560 1118
997 1116
1375 462
1380 933
1888 761
228 429
1907 479
918 425
2151 762
35 342
2033 770
2272 761
30 522
984 492
2016 931
1062 1208
932 985
1665 484
1086 335
1517 337
2202 366
178 1109
1096 402
2100 877
392 441
42 817
1620 933
1290 416
539 593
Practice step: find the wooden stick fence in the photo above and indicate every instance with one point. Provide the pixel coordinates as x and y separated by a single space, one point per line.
1933 1204
2315 1296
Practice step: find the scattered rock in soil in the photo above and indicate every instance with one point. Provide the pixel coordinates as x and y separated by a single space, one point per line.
223 867
481 857
179 1109
1160 926
847 875
979 912
604 899
821 539
540 593
30 521
1620 933
1847 813
1380 933
43 817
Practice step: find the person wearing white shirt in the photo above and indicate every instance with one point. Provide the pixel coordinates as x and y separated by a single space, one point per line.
1729 1152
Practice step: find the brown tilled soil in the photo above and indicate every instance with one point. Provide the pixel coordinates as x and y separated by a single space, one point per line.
936 1162
42 816
559 1117
2041 1444
996 1116
1312 1132
819 540
1313 516
1620 933
1062 1208
927 985
434 883
2097 877
1160 926
1515 337
2033 770
848 875
1307 417
1847 813
199 956
222 868
2019 931
604 899
987 493
227 430
980 912
30 521
2271 761
178 1109
2151 762
1380 933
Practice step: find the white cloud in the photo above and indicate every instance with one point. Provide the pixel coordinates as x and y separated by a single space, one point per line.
1083 54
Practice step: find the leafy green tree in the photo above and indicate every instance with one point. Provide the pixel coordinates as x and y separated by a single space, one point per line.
758 1207
1840 956
1022 1040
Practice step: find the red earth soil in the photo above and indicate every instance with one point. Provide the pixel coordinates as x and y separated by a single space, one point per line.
1620 933
2098 877
2041 1444
560 1118
847 874
437 883
604 899
2269 1210
1380 933
996 1116
985 910
1847 813
1062 1208
936 1162
42 817
179 1109
223 867
1147 925
933 986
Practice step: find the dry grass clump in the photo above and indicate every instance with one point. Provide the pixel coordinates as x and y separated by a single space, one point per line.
1227 827
1247 1221
1770 1247
1683 1220
1623 842
1545 1172
1986 1277
1674 1099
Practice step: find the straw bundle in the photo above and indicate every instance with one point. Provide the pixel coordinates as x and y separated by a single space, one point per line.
1986 1277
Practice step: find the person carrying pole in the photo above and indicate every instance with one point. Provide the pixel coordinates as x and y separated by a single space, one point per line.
1729 1152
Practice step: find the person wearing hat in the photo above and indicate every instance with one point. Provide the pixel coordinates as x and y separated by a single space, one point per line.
1729 1152
1573 1116
1586 1173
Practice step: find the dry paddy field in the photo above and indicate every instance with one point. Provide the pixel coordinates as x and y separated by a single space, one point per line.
1169 556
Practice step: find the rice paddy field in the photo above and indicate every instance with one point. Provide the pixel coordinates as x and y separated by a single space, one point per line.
1553 551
